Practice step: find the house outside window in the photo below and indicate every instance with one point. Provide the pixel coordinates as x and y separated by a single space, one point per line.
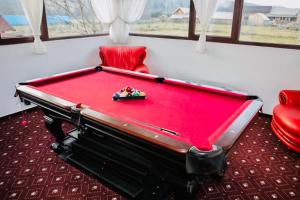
265 22
164 18
221 22
13 23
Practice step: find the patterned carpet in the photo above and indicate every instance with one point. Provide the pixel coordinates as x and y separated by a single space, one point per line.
259 167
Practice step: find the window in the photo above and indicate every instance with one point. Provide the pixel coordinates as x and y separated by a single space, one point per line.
272 21
163 17
13 23
72 18
221 22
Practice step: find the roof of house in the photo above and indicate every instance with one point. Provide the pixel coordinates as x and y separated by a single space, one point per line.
184 10
16 20
58 19
20 20
4 25
186 13
228 6
264 12
284 12
257 9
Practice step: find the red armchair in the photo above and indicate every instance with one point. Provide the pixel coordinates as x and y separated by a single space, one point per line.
286 119
124 57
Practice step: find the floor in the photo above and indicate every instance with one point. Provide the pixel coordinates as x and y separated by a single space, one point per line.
259 167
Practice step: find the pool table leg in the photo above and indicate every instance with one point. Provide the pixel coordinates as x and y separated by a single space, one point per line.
190 190
55 128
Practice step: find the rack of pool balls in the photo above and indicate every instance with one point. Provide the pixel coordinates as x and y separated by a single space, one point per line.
129 93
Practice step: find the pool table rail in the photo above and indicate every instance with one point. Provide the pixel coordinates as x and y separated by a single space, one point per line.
22 91
213 162
137 131
57 77
233 132
192 85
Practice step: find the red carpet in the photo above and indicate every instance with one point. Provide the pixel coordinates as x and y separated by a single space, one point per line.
259 167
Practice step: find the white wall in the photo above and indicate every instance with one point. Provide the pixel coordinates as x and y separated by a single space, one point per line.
262 71
17 64
258 70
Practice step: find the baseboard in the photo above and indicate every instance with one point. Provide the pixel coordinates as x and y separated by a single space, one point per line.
19 112
265 115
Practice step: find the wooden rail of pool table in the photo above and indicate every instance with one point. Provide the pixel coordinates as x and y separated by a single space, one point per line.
137 131
45 97
233 132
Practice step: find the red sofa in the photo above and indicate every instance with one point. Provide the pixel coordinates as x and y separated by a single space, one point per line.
286 119
124 57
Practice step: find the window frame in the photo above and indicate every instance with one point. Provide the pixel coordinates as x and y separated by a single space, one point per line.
44 34
233 39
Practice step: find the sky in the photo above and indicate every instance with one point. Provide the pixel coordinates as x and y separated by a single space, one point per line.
284 3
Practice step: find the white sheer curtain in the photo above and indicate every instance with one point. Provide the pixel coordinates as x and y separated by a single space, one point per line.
129 12
119 14
33 10
106 11
205 9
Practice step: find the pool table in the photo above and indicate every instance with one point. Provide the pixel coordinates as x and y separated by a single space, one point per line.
146 148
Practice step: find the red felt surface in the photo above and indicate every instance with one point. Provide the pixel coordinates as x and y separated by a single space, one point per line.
199 116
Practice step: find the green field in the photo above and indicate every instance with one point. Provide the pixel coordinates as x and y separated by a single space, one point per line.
265 34
161 28
270 35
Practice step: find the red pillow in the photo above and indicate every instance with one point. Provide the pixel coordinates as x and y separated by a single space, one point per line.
124 57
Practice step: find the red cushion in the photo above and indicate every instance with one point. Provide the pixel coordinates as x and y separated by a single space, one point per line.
289 97
124 57
286 138
288 117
